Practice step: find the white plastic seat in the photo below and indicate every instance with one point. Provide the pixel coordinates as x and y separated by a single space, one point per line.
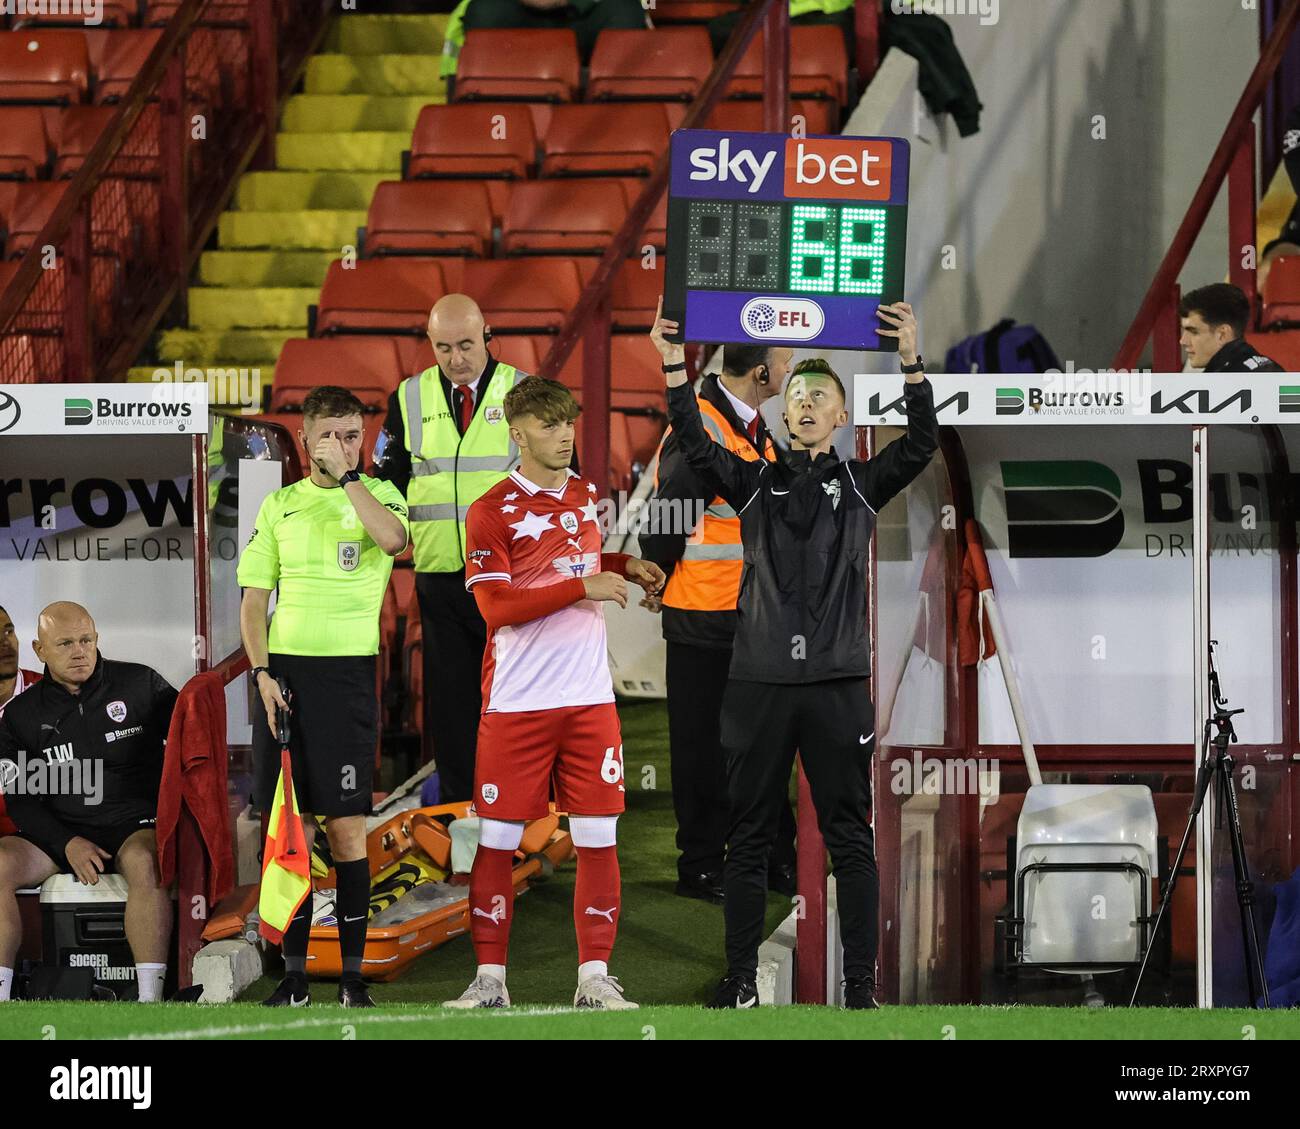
1086 916
64 888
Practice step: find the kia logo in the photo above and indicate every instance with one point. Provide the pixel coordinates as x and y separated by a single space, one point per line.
10 412
782 319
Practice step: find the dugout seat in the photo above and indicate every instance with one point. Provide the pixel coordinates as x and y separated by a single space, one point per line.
24 144
378 296
1281 295
667 63
604 140
819 65
43 67
429 218
519 65
562 217
1074 844
467 139
523 295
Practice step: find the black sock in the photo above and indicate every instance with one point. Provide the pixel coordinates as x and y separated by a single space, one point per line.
294 946
352 901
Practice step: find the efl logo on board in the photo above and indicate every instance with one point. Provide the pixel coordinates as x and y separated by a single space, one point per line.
831 169
789 319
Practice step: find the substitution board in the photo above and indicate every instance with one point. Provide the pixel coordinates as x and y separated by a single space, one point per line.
785 240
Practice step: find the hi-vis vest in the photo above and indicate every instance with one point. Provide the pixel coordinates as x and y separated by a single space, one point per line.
450 472
707 578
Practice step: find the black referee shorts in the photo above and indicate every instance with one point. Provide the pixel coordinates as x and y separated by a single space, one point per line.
334 726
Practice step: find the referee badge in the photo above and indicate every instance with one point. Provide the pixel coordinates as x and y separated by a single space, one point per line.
349 555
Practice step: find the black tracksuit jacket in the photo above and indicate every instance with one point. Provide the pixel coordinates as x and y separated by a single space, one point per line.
806 526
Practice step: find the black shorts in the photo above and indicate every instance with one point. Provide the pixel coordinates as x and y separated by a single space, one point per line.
109 836
333 731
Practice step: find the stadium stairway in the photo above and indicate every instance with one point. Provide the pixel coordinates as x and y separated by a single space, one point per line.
337 140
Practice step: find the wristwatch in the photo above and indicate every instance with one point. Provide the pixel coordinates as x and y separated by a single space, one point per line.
918 367
256 671
349 476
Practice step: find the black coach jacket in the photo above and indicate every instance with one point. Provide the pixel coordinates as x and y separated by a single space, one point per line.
806 526
120 718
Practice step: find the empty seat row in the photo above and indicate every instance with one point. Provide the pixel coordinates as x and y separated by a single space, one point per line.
522 140
394 296
433 218
666 63
38 143
67 67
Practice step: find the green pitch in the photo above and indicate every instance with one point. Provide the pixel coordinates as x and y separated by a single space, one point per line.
668 954
249 1021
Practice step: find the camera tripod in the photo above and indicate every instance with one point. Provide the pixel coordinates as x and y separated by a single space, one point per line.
1216 767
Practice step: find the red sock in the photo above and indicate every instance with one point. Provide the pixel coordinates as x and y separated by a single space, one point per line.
491 901
596 902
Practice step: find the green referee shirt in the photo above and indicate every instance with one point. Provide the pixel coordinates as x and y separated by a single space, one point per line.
310 543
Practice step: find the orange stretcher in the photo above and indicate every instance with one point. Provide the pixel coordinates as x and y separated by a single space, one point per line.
391 948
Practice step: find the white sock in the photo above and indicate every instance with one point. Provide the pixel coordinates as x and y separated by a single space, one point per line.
150 979
6 982
498 971
592 968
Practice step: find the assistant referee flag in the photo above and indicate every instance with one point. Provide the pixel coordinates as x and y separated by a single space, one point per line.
286 862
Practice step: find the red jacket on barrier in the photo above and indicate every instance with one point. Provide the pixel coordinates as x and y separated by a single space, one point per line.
25 681
194 776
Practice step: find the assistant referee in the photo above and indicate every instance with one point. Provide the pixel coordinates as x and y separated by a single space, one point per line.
327 545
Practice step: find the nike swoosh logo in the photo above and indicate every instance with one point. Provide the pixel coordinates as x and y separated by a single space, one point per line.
291 513
359 917
295 1002
782 492
748 1003
864 740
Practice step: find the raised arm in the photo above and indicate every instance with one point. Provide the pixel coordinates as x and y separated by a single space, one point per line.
890 472
731 476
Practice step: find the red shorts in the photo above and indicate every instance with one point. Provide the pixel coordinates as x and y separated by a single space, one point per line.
520 755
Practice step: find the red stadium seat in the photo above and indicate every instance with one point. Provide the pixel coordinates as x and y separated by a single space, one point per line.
655 232
473 140
50 67
578 217
429 218
588 140
820 115
1282 293
819 65
122 57
635 292
32 208
417 353
379 296
522 295
691 11
539 65
24 146
82 126
368 366
659 64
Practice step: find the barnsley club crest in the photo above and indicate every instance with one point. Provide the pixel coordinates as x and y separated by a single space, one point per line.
569 522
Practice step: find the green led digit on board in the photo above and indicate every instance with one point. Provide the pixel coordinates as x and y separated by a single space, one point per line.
862 251
812 248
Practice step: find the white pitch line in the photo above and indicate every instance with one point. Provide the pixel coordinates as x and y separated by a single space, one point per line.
323 1021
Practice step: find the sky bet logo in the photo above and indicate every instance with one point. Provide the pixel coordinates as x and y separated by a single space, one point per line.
816 168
